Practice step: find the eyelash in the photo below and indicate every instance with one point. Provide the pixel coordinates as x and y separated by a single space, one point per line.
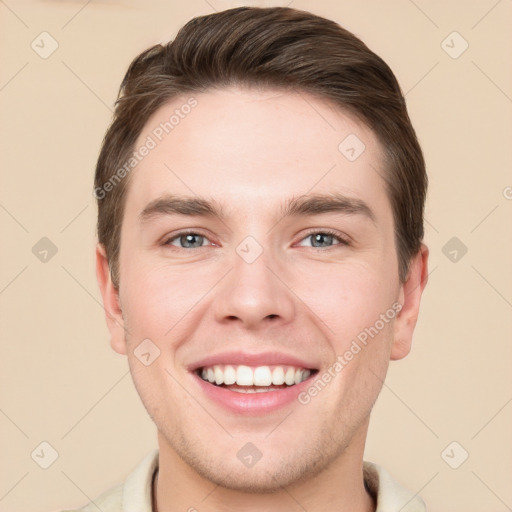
343 240
183 233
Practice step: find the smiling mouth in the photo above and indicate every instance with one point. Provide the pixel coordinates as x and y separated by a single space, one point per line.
249 379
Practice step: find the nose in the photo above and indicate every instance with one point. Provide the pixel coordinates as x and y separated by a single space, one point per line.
254 295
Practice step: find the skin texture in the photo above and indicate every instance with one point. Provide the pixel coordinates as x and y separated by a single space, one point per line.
250 151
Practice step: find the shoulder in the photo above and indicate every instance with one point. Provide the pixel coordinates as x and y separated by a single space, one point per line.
109 501
388 493
135 492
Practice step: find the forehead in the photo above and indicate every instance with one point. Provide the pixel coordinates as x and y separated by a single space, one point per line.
239 146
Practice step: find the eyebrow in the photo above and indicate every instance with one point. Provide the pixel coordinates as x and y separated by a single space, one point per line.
321 203
306 205
180 205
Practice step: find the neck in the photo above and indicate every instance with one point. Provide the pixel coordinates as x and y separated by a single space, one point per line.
340 486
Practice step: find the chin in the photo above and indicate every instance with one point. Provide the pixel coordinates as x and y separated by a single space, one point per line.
265 480
267 476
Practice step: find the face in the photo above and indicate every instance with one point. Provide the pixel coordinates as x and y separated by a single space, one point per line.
258 262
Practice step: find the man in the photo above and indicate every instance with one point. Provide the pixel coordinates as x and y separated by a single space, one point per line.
260 259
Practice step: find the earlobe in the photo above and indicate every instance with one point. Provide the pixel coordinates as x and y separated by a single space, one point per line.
111 302
410 297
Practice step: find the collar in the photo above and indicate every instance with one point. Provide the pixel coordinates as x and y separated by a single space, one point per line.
388 494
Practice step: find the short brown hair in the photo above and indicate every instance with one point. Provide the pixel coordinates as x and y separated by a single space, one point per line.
275 47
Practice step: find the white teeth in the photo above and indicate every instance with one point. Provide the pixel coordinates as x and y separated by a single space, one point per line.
245 390
261 376
219 375
253 390
244 376
229 375
278 376
289 377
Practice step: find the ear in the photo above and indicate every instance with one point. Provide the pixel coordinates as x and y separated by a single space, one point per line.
410 296
111 303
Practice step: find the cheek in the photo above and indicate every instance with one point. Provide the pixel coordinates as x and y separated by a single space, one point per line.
156 388
159 297
363 362
348 299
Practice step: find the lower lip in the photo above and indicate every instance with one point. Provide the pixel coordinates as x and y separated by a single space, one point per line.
252 403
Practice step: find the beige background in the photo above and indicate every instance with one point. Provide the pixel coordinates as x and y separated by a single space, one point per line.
61 383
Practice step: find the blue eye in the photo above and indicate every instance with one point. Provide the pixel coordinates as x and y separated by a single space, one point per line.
187 240
321 239
317 240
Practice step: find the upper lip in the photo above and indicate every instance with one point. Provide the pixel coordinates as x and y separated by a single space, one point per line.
252 359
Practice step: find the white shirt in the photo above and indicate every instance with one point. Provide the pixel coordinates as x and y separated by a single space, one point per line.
136 492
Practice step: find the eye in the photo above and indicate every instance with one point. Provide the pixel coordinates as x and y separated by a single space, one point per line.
322 239
187 240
